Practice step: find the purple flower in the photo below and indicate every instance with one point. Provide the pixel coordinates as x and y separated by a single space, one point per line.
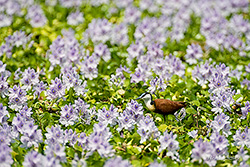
56 89
203 151
193 133
245 83
117 161
31 136
194 54
241 156
221 122
168 141
17 98
245 110
29 78
156 164
102 51
82 109
70 136
147 129
118 79
242 138
108 116
57 151
137 76
75 18
220 145
33 158
123 3
135 110
70 3
89 66
36 16
5 155
125 121
39 88
157 84
64 51
3 113
203 73
98 141
134 50
5 20
120 34
54 135
99 30
132 14
68 115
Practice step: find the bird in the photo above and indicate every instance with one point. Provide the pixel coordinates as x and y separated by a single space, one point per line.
161 106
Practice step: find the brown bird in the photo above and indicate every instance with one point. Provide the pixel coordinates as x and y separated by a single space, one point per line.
161 106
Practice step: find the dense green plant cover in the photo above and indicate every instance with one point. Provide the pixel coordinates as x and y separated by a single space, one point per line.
100 93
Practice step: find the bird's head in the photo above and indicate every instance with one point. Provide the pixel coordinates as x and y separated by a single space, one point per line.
146 97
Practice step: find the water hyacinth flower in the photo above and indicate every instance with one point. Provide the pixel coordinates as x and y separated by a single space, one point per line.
3 113
56 89
203 73
119 34
193 133
29 78
147 129
99 30
125 121
168 141
36 16
245 83
89 66
102 51
245 110
75 18
83 110
157 84
54 135
98 141
32 136
134 50
56 151
108 116
5 155
7 134
194 53
117 161
132 15
241 156
220 144
119 78
64 51
33 158
156 164
221 123
242 138
135 110
204 151
17 98
68 115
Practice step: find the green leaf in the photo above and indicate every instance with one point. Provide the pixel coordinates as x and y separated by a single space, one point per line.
162 127
191 110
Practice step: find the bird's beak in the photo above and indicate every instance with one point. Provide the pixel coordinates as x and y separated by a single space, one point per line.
139 97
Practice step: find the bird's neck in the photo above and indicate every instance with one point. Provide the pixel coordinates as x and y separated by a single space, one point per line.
150 104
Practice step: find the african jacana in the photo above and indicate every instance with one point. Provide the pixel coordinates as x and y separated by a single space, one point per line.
161 106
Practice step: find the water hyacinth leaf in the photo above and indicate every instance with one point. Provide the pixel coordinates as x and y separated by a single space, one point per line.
191 110
162 127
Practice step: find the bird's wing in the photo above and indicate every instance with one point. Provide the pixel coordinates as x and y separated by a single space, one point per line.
166 106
